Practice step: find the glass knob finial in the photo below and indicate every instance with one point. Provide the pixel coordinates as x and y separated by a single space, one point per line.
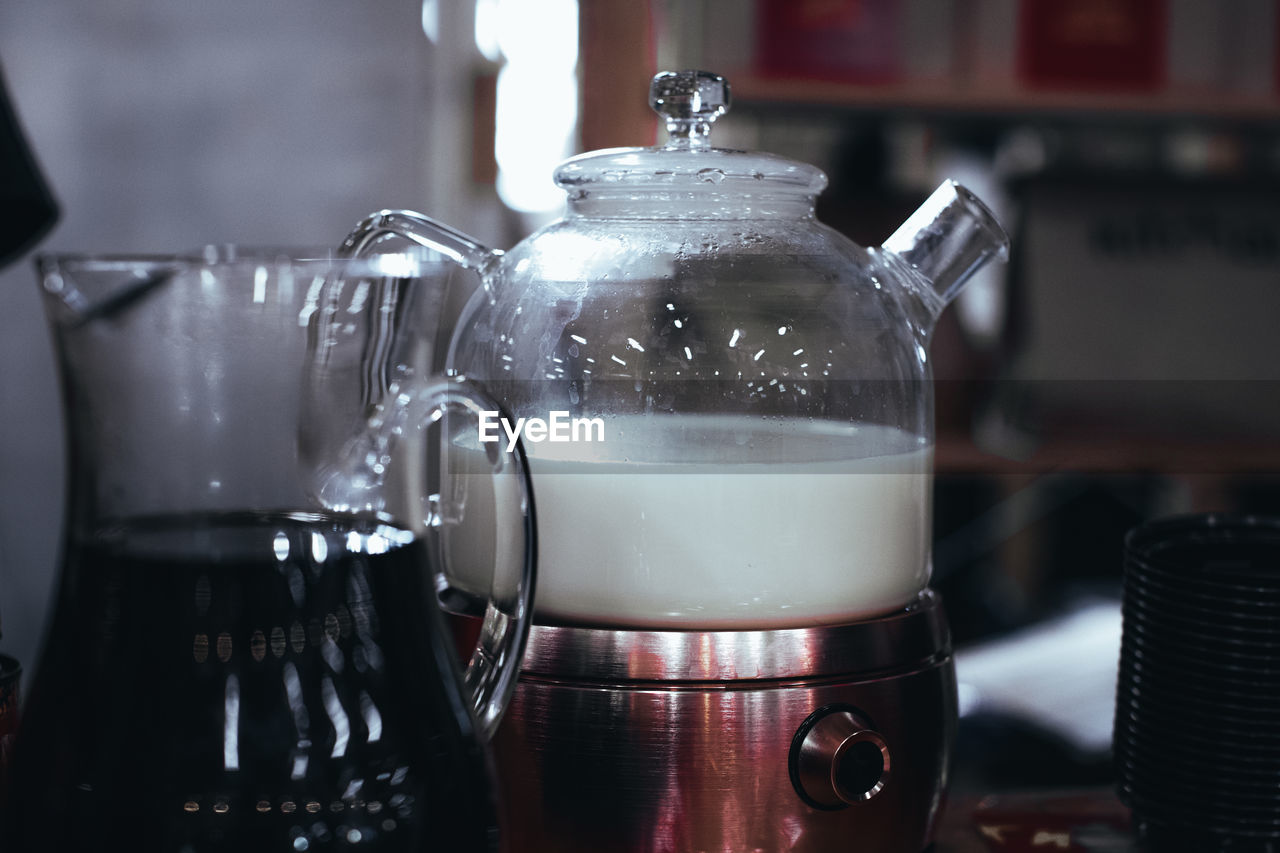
689 101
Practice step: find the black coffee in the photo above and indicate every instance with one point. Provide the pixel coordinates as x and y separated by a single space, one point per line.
248 683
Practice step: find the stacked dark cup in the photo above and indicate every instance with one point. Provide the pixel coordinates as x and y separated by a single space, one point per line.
1197 729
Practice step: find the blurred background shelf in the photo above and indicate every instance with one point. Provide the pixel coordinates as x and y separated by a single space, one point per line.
756 92
1100 454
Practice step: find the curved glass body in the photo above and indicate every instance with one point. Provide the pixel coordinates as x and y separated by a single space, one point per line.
731 402
761 382
247 649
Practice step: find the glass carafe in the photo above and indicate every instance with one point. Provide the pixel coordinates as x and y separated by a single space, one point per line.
247 650
757 387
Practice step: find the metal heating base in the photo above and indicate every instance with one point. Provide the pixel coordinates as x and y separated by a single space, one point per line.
814 739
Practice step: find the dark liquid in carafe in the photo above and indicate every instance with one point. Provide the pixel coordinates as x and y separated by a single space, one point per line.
248 683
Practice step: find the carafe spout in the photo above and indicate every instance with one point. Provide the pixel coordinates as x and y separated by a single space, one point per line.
947 239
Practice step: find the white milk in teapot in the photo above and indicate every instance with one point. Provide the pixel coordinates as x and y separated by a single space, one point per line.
681 528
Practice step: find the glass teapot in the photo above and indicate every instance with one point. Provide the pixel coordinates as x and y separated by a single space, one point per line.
727 405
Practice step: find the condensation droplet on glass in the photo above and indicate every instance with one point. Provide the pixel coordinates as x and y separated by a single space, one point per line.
319 548
297 585
280 545
204 593
200 648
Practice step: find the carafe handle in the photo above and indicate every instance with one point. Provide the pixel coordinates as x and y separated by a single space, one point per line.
381 473
410 225
493 669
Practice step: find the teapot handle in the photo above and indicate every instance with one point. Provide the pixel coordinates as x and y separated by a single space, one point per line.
494 666
409 225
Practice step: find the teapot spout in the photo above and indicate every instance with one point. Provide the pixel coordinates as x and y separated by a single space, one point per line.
947 239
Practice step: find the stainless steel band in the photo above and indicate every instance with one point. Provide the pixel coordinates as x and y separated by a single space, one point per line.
911 638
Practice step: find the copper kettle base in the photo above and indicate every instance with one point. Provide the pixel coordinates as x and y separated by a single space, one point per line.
814 739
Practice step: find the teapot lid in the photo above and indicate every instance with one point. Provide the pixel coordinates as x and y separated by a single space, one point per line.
690 102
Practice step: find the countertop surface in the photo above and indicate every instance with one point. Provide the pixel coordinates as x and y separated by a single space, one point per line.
1076 821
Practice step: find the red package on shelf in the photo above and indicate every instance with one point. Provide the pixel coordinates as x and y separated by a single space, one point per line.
1096 45
853 41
